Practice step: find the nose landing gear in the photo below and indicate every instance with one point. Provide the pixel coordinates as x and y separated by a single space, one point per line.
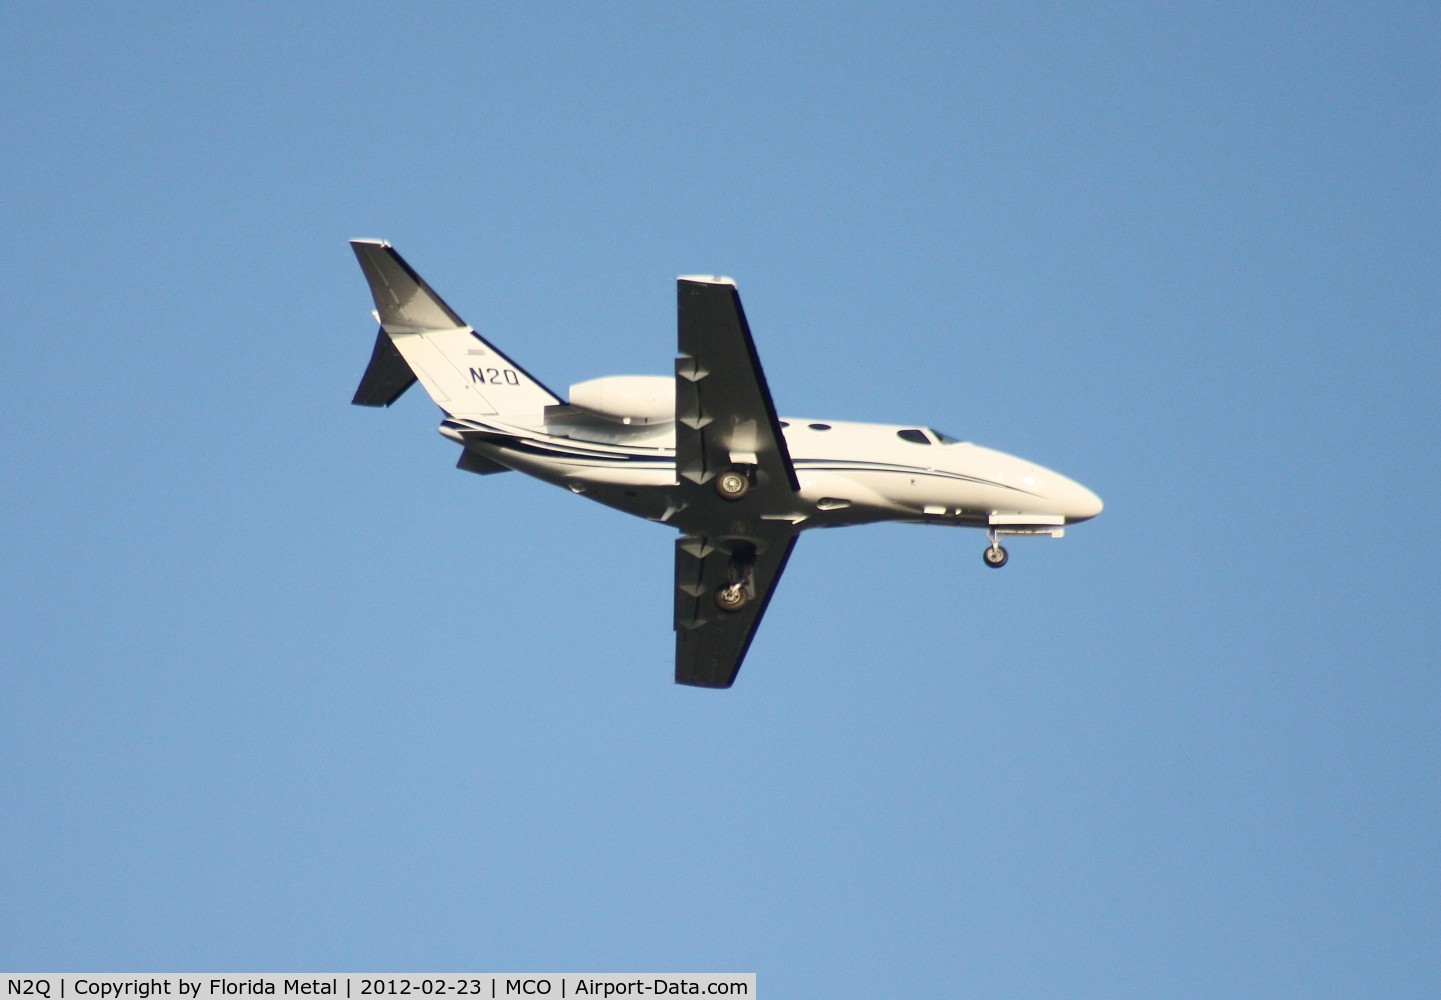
995 556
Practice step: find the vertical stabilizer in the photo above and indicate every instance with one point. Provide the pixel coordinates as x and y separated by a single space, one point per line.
465 375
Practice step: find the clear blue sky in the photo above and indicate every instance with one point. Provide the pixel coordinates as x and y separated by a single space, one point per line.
283 690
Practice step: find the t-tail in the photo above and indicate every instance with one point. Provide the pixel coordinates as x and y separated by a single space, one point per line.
422 338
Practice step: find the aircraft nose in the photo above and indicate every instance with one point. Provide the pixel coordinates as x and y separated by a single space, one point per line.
1081 504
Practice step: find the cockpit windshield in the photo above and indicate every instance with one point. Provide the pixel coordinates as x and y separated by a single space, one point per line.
926 435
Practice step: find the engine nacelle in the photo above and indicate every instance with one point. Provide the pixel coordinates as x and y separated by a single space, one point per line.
627 399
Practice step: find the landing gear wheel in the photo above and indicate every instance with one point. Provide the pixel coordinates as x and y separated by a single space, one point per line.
732 485
995 556
731 597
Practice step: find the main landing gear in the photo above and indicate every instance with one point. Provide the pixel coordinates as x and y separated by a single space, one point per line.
732 484
995 556
731 597
736 593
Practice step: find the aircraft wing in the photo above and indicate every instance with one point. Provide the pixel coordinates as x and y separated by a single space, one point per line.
725 421
710 643
724 415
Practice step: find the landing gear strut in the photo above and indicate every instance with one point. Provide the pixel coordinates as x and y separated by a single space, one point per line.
736 593
995 556
732 484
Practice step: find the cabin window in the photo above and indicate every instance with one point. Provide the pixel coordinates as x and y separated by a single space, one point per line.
819 427
784 424
913 435
945 438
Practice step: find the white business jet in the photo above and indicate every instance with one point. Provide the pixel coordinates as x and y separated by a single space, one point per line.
703 452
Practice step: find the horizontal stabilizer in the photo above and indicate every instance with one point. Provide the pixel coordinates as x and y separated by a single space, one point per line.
386 377
471 461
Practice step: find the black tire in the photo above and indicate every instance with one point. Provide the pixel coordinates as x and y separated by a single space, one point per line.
995 556
725 604
732 484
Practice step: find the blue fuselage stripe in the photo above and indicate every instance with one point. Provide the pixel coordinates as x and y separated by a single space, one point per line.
568 450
